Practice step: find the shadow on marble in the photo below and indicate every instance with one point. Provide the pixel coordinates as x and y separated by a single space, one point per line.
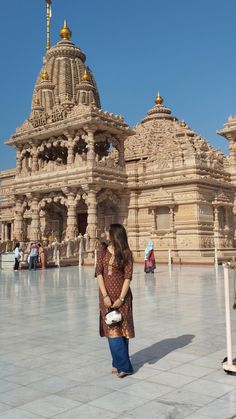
159 350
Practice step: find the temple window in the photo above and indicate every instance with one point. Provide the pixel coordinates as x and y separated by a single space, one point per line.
80 147
102 149
163 218
55 154
222 217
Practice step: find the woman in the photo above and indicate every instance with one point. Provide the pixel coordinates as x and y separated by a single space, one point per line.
42 256
114 273
18 254
149 259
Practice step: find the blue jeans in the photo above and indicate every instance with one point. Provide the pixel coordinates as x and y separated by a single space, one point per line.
33 262
119 348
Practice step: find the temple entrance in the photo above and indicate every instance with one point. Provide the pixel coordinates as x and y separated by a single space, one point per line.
56 227
53 224
82 217
82 222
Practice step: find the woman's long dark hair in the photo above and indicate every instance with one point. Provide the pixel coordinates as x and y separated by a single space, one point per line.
119 240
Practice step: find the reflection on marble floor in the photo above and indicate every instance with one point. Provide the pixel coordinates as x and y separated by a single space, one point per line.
53 364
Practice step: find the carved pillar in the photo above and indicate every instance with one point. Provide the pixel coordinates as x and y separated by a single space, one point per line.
35 231
91 152
6 232
71 216
92 217
3 232
18 220
12 231
216 219
172 219
172 238
121 154
133 227
18 162
70 156
35 165
216 228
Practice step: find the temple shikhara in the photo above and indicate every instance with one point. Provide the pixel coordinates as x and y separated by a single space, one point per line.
80 168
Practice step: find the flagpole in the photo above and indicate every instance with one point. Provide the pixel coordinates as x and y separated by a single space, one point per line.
49 14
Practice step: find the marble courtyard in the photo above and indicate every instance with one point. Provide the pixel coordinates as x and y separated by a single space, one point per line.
53 364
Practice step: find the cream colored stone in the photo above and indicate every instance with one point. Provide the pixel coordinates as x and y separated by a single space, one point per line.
79 168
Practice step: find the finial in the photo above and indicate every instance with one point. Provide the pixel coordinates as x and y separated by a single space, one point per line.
44 75
183 124
65 32
93 103
159 99
36 101
85 76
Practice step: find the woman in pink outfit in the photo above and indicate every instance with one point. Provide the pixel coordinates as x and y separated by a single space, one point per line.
42 256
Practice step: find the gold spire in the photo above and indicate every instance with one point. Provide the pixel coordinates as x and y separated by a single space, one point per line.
86 76
159 99
44 75
183 124
65 32
49 14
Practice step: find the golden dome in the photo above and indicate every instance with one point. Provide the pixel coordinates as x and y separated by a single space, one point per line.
183 124
44 75
85 76
159 99
65 32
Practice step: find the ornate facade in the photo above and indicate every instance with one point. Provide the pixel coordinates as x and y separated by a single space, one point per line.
79 168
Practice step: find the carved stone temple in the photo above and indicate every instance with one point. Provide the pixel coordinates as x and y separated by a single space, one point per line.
80 168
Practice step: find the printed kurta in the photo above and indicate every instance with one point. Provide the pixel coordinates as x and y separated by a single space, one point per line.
113 280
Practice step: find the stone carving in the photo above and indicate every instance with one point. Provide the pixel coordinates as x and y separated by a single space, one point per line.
73 156
108 194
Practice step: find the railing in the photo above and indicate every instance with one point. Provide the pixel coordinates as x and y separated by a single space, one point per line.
56 252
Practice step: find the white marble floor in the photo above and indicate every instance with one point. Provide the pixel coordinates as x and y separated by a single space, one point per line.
53 364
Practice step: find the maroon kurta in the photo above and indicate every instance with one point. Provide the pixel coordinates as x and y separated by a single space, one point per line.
114 279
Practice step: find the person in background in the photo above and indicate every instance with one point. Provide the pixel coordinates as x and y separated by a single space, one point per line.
18 255
42 256
149 259
33 256
114 272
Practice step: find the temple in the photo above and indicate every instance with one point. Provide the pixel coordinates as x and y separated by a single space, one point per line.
80 168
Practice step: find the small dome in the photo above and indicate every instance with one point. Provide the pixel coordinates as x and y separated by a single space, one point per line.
162 140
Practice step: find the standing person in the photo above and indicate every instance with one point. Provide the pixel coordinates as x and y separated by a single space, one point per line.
18 255
114 272
149 259
33 256
42 256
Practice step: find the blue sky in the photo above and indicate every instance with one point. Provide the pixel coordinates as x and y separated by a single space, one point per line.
184 48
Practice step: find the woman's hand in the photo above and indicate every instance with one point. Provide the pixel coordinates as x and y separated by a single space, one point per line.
117 304
107 301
